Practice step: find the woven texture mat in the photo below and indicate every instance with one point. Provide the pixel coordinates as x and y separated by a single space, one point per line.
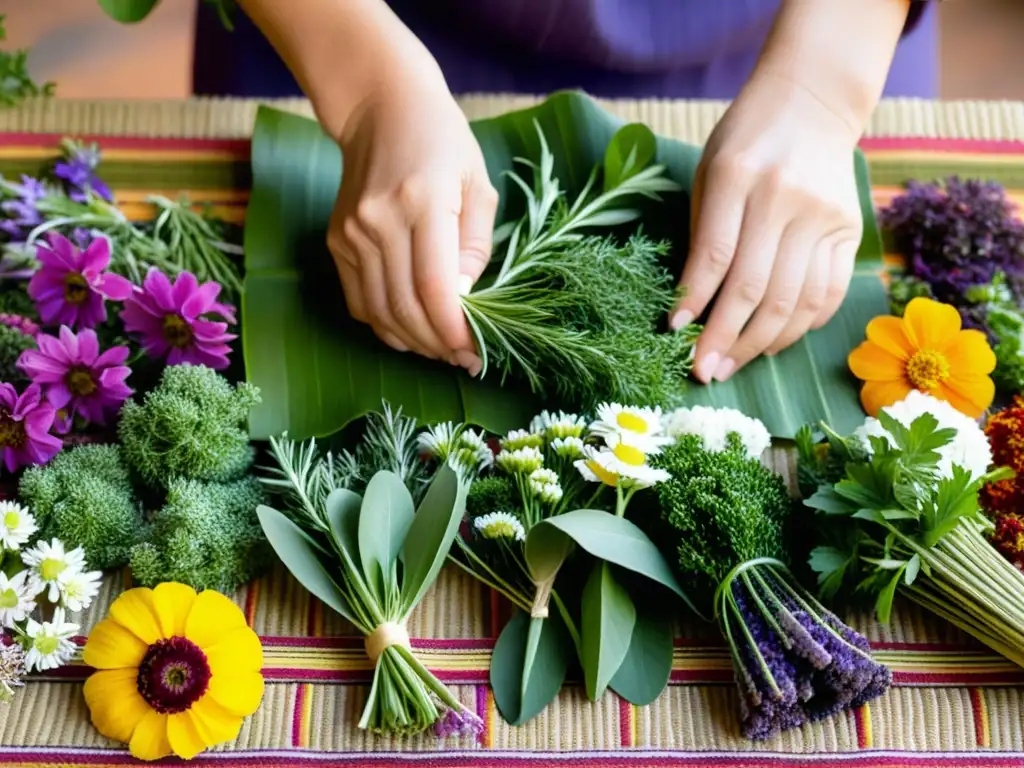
953 704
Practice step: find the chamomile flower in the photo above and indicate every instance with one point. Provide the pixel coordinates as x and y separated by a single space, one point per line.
714 425
78 588
16 599
500 525
619 464
456 444
520 438
568 447
17 525
50 642
640 427
473 449
438 440
47 562
558 425
520 461
545 485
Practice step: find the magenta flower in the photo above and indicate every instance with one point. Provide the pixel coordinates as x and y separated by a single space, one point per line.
76 378
70 285
19 323
175 321
25 422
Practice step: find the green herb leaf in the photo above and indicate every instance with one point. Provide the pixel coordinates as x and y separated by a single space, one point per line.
913 568
826 500
431 535
957 498
545 550
646 669
631 150
342 511
128 11
384 520
883 605
608 617
520 698
831 565
874 515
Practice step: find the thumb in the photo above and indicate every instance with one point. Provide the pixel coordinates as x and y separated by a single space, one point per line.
476 229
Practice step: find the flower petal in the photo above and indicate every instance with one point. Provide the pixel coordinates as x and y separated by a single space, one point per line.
114 703
185 285
88 347
930 323
214 723
173 603
149 742
971 395
184 737
238 694
969 352
111 646
115 287
875 395
890 334
158 287
235 652
211 617
871 362
135 611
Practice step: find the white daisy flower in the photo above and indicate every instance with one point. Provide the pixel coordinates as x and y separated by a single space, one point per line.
558 425
546 486
568 447
969 450
51 642
500 525
78 588
520 461
16 598
714 425
619 464
17 525
473 449
438 440
520 438
641 427
46 564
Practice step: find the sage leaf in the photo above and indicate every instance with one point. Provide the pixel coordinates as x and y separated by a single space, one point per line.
342 510
384 520
608 617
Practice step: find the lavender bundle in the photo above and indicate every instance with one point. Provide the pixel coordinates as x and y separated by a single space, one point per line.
795 662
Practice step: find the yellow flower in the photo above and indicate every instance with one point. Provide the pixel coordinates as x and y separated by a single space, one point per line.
924 350
177 671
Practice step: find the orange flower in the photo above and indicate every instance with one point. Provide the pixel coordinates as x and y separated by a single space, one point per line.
925 350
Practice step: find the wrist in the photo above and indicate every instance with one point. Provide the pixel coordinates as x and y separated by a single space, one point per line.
838 51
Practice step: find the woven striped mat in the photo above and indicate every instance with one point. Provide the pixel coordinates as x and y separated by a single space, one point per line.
953 704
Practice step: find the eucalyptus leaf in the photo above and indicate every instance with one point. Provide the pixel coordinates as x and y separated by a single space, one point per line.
521 699
342 509
128 11
647 667
607 618
430 535
384 520
545 550
299 555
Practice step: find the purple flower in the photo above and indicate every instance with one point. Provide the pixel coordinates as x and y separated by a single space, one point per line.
25 423
78 379
174 321
21 212
78 171
70 285
458 723
19 323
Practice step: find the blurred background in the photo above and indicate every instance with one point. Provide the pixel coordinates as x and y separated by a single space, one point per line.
89 56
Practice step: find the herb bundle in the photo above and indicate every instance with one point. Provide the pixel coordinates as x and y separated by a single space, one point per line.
578 316
794 661
905 518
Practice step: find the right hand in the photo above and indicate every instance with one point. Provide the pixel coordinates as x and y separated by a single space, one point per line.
414 219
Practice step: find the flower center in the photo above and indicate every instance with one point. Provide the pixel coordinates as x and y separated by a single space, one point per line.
76 289
9 599
499 529
46 644
51 568
627 454
12 520
12 433
606 477
177 331
174 675
927 369
631 422
80 381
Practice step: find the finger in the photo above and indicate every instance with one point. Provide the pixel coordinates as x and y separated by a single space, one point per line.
742 292
844 260
716 219
351 284
476 230
378 305
812 299
435 243
776 311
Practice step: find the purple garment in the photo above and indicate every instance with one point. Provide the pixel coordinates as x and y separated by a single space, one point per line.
624 48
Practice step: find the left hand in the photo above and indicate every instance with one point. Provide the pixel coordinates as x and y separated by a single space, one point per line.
775 225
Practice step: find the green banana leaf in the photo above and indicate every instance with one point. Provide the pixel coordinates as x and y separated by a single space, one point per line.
318 369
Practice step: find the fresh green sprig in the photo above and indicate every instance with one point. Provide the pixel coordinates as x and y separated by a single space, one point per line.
16 84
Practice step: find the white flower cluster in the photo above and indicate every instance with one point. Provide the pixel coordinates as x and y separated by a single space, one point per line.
49 575
970 449
630 435
558 426
545 485
456 444
500 525
714 425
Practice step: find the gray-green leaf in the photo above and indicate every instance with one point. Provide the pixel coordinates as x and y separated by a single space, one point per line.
384 520
645 671
608 617
342 509
521 698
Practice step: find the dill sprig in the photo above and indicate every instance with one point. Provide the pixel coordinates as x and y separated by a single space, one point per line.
16 84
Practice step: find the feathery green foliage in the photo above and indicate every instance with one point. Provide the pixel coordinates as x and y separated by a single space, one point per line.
16 84
14 300
727 509
12 343
207 535
84 497
192 425
493 493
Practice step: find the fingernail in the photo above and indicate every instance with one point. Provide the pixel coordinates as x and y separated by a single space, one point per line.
680 319
469 361
465 284
706 367
725 369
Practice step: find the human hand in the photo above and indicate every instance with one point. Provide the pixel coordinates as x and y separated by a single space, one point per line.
413 223
775 225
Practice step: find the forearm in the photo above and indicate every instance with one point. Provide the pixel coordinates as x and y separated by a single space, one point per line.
340 51
838 50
